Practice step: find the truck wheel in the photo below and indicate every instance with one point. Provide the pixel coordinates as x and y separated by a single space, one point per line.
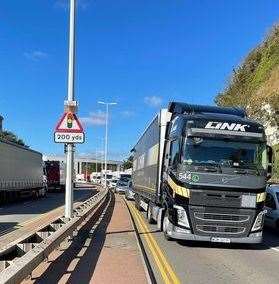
137 203
149 215
165 226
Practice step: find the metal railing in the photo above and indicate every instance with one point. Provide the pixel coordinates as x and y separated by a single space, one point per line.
19 259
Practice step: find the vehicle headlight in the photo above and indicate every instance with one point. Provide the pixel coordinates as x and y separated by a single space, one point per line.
258 224
182 218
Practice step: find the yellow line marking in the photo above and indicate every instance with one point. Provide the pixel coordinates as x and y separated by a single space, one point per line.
156 251
154 254
160 253
167 265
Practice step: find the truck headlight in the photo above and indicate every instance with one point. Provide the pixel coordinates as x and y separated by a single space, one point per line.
258 224
182 218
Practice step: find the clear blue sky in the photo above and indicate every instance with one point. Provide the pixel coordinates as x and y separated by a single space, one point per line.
141 54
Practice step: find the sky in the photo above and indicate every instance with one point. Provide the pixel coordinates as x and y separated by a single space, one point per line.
141 54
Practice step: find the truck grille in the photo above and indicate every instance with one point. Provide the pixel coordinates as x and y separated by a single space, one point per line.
221 222
220 229
212 217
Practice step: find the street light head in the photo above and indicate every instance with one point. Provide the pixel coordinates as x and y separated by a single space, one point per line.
103 103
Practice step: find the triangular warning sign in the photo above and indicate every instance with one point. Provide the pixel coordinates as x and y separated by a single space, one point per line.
69 123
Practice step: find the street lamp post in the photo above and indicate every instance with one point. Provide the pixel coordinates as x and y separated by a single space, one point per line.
96 170
106 137
71 103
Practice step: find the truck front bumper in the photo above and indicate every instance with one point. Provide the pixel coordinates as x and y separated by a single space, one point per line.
184 234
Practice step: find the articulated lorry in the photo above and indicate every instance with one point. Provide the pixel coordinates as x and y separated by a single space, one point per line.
21 172
200 173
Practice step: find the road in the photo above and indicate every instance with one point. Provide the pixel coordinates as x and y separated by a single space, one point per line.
13 216
196 262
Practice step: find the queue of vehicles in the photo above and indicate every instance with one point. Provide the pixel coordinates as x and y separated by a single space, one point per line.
201 172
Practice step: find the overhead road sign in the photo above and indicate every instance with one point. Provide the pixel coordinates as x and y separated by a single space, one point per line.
69 129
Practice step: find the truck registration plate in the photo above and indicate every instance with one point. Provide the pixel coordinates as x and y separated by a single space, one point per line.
220 240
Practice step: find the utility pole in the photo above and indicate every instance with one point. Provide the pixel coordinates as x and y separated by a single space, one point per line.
70 104
106 137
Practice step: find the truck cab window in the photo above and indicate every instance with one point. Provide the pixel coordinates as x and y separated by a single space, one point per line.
174 154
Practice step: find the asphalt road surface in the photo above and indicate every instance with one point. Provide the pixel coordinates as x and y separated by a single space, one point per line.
11 215
197 262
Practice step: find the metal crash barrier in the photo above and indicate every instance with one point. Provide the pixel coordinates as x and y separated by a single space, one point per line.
19 259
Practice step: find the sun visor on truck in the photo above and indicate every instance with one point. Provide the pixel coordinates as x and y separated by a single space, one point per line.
222 128
183 108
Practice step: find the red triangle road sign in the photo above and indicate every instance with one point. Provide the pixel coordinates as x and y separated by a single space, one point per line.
69 123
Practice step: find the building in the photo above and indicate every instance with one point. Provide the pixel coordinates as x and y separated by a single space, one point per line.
86 165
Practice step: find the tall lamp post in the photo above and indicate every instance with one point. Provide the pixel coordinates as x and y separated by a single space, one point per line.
106 136
71 103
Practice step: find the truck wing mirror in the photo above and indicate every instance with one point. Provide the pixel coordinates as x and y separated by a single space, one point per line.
270 159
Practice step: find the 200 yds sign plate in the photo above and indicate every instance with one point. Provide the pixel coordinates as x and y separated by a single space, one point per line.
63 137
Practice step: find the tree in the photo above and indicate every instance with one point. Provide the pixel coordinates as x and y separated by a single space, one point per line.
127 164
10 136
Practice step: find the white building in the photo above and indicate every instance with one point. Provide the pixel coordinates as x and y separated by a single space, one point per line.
83 164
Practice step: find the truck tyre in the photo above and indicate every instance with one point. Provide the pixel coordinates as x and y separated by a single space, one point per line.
165 223
137 203
149 217
277 224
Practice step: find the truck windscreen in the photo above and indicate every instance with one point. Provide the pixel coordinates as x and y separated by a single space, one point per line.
227 153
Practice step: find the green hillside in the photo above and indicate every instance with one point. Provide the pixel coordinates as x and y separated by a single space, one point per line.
254 84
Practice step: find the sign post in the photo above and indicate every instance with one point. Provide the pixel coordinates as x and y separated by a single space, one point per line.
69 129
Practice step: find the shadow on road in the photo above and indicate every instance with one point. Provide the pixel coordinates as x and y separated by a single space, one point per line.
17 215
7 227
43 204
79 260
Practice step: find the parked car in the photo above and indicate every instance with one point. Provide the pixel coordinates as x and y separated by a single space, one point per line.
129 194
272 206
121 186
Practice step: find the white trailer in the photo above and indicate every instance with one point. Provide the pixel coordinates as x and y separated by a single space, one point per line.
21 172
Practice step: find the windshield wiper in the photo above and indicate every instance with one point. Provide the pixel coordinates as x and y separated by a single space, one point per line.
245 166
210 167
241 172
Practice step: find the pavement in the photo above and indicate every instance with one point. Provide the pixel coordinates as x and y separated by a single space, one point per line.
105 250
197 262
